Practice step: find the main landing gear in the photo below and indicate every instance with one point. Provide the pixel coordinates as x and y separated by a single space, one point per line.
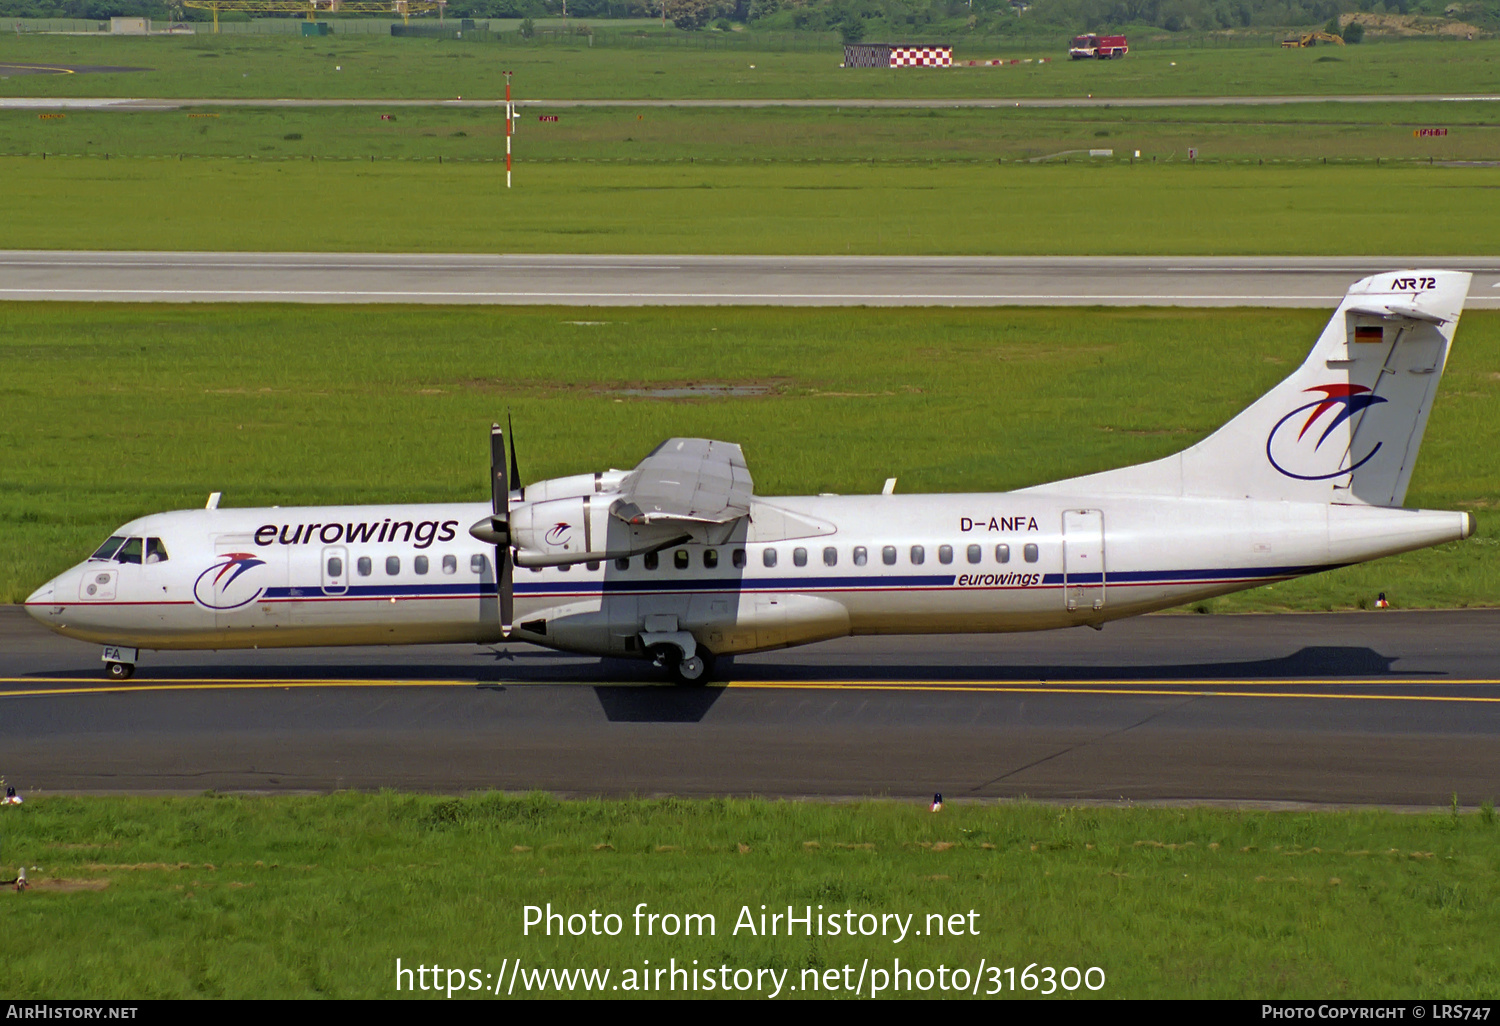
695 669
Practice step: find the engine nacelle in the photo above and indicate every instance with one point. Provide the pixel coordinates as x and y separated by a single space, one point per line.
581 529
575 485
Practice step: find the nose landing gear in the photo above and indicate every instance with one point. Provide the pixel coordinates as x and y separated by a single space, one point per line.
119 661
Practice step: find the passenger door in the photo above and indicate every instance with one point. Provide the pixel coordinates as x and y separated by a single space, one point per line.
335 570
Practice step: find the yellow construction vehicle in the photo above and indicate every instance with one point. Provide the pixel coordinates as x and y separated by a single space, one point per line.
1310 39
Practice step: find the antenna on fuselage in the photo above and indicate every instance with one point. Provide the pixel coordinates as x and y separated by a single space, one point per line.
213 500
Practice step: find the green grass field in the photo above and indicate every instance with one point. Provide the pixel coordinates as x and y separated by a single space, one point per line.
360 66
1338 132
114 410
943 209
318 897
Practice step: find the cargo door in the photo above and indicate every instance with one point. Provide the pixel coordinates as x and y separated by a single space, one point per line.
1083 559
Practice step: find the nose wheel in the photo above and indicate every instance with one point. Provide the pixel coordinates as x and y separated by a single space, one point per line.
119 671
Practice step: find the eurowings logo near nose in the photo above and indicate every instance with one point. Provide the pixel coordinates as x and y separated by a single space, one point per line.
1296 449
559 533
215 587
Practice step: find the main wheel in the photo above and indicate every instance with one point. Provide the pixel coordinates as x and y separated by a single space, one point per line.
119 671
696 669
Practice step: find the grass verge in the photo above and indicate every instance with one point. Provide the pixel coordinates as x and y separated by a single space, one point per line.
1315 131
302 897
373 66
619 207
117 410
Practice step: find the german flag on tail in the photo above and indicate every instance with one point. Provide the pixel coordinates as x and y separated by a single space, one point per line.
1369 333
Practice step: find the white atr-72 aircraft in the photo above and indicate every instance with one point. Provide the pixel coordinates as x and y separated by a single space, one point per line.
678 561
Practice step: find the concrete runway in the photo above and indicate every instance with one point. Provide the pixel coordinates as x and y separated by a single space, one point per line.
708 280
1397 709
167 103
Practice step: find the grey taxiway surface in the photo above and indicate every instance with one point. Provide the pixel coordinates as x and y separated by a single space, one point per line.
1388 708
708 280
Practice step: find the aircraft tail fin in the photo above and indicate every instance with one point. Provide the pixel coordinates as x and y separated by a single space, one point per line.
1345 426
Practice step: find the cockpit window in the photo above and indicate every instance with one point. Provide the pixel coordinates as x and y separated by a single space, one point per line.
107 550
130 552
156 552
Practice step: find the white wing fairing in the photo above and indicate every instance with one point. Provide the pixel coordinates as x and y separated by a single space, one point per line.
678 560
686 490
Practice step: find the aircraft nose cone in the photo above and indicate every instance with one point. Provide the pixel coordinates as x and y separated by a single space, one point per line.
39 604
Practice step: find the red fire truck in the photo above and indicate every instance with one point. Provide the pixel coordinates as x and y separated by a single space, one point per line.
1103 47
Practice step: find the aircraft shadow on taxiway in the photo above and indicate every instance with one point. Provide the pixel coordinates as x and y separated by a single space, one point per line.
537 666
631 691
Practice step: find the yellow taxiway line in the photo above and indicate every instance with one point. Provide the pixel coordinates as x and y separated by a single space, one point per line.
1184 688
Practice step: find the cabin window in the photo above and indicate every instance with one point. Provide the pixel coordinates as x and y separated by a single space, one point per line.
420 565
107 550
799 557
975 553
130 552
888 555
710 558
945 554
592 564
535 569
1031 553
156 552
623 563
918 555
1002 553
830 556
362 566
680 559
392 565
861 555
650 561
450 564
477 563
738 559
564 568
768 557
335 567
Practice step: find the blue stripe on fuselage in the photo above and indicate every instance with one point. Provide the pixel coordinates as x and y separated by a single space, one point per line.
790 584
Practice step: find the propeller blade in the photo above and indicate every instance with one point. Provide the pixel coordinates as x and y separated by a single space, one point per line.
500 518
499 482
506 586
515 467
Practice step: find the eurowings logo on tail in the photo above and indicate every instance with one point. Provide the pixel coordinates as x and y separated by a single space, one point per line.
215 587
1300 454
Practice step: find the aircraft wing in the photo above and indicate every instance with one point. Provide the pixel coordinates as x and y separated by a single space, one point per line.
687 479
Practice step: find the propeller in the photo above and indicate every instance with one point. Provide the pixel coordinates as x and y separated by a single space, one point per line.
500 521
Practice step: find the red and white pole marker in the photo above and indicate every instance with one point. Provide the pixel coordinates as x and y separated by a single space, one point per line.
937 802
510 123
